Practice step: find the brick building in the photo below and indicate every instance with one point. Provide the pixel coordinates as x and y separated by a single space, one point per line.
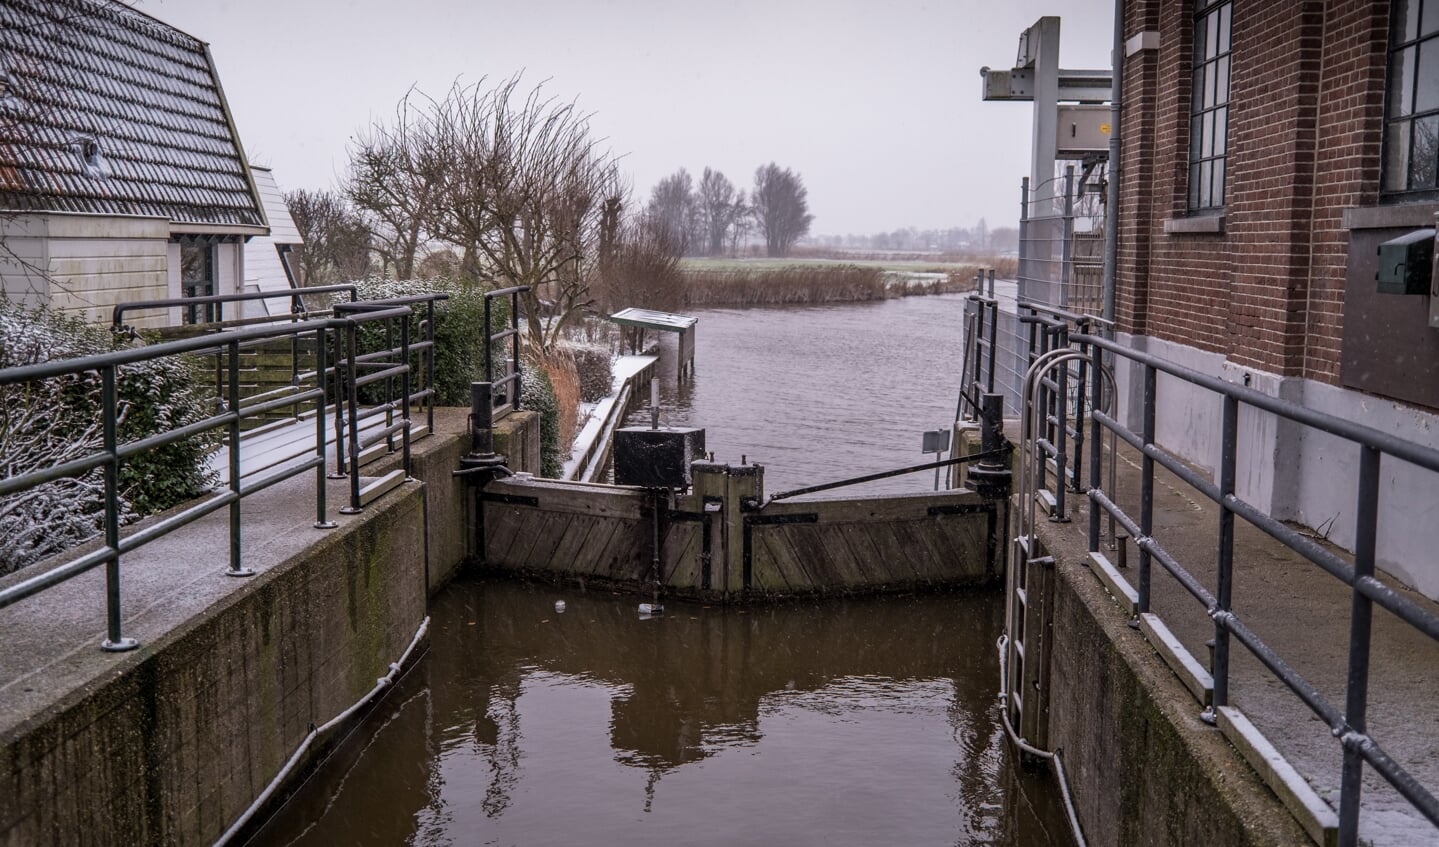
1268 148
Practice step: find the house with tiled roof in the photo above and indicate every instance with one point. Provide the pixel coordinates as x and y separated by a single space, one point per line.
122 176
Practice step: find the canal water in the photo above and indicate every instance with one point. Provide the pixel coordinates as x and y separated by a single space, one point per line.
822 393
863 721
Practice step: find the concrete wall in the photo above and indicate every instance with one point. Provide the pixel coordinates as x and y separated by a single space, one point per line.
178 738
1143 768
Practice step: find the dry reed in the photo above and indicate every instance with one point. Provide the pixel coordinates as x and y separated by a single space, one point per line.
559 365
788 285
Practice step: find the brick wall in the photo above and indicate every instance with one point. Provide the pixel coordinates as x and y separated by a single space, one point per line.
1305 123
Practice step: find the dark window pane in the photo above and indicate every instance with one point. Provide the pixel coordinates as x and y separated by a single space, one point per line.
1209 93
194 264
1206 149
1223 15
1396 157
1221 130
1422 152
1221 76
1401 83
1426 96
1211 42
1200 33
1206 191
1196 137
1429 20
1194 186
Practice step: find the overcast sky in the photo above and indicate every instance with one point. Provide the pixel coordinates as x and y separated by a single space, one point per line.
876 104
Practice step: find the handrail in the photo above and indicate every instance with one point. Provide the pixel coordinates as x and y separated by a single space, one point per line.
226 344
1347 721
511 383
296 295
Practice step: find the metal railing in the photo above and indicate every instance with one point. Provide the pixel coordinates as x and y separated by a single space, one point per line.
328 383
1090 352
388 371
505 392
981 327
1348 724
215 305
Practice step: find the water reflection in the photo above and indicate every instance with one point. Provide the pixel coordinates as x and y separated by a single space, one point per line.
855 722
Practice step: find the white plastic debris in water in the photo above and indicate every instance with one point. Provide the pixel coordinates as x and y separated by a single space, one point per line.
651 610
560 606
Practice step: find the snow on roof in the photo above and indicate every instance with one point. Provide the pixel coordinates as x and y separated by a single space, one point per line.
648 319
105 110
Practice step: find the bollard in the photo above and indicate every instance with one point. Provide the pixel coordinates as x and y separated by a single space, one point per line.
991 476
482 464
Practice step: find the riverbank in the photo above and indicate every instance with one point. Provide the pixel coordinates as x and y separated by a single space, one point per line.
768 283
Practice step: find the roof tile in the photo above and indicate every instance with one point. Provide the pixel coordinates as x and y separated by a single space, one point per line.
147 95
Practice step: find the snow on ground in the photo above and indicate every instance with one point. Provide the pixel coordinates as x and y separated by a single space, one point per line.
602 417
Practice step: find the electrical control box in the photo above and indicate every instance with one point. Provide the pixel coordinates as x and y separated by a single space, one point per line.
1406 263
657 458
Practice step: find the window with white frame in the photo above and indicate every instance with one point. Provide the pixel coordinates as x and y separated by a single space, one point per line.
1209 105
1411 103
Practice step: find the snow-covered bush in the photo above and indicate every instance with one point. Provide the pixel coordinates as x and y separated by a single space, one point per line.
46 423
459 330
538 395
596 370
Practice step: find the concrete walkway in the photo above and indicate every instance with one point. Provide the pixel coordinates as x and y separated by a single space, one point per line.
1302 613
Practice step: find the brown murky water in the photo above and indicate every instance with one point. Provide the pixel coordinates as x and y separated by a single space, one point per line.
849 722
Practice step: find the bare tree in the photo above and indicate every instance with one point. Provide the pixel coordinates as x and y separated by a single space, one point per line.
673 205
781 207
395 172
337 240
720 208
642 268
521 194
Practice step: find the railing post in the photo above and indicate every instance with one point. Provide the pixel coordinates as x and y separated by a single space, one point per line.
1066 247
993 308
1061 439
390 383
340 394
1096 453
1224 587
515 346
1356 698
433 396
489 346
236 569
1146 491
322 520
352 400
115 640
405 387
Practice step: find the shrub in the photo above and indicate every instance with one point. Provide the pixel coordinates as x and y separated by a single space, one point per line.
596 370
459 330
48 422
538 395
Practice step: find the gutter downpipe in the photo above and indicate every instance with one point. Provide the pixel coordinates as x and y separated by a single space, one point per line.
1111 203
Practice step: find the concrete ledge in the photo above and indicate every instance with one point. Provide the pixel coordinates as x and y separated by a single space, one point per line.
1317 818
1115 583
1197 225
1191 673
1144 768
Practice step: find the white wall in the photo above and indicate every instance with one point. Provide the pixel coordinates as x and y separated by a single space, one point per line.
84 265
1294 472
